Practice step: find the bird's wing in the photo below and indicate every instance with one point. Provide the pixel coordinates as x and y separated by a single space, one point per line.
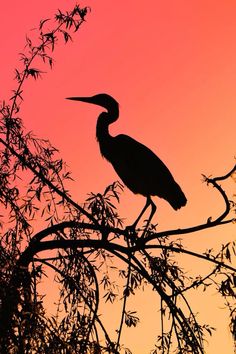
139 168
142 171
137 154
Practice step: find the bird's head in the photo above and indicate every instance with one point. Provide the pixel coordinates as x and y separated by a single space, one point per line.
102 99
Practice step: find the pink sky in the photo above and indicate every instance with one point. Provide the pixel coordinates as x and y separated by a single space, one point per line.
171 65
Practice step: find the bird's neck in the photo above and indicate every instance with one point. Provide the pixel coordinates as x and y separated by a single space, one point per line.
103 122
102 131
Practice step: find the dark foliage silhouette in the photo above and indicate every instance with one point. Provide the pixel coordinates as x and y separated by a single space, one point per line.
87 247
138 167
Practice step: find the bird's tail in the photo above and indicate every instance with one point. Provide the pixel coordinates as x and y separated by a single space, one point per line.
177 198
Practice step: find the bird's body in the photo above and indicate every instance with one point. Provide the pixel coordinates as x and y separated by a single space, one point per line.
131 158
137 166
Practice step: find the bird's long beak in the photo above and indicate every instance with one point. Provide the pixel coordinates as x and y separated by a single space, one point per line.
83 99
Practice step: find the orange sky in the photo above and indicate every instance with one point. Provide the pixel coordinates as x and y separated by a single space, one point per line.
171 65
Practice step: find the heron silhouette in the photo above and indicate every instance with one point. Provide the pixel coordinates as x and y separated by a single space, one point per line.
137 166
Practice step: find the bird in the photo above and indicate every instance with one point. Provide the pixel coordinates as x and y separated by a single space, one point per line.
138 167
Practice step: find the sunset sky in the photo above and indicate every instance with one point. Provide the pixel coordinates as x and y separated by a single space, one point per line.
171 65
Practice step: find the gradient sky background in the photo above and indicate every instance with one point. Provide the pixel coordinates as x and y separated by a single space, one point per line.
172 67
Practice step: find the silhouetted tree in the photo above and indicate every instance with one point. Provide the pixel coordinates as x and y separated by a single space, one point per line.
92 254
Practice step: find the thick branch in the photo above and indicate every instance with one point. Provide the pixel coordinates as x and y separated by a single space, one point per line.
220 220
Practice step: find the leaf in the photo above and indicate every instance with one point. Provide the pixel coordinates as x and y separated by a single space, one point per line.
42 22
131 319
67 36
35 73
227 254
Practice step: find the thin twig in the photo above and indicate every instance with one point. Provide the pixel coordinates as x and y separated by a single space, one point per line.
124 304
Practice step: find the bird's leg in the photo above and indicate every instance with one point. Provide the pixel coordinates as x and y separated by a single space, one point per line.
131 229
154 208
148 202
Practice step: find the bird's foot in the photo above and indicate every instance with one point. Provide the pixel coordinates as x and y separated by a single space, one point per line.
148 229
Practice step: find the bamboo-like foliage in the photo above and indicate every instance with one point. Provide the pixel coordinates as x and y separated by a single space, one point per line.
94 257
